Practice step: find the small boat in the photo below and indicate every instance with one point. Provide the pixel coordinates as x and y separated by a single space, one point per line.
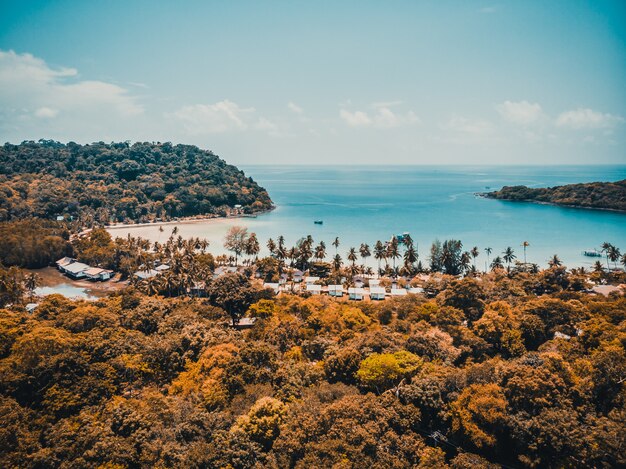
318 222
592 253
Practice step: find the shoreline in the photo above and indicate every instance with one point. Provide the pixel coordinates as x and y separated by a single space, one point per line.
186 220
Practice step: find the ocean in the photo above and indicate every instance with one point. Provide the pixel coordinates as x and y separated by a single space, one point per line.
363 204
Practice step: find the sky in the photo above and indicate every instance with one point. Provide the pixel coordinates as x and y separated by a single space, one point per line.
325 82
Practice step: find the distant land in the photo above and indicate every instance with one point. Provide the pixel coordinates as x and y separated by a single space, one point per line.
593 195
102 183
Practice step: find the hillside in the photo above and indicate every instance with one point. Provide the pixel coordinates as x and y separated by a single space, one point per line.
120 182
596 195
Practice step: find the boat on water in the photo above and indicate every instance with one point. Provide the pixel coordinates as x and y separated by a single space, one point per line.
592 253
318 222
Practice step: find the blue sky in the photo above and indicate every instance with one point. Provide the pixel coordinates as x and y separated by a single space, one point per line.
417 82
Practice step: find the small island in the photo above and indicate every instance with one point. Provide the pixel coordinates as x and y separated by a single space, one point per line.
593 195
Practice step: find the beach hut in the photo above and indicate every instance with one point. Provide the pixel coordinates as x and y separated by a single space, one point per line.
310 280
374 282
98 274
314 289
335 290
377 293
398 292
75 270
273 286
63 262
244 323
296 275
146 274
356 294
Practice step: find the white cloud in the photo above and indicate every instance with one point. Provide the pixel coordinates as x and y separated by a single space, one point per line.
46 112
33 92
220 117
294 107
355 119
470 127
520 112
383 117
587 119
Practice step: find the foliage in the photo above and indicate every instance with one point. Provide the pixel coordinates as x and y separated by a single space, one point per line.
602 195
102 183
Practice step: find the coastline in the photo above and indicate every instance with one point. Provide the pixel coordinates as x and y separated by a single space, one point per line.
187 220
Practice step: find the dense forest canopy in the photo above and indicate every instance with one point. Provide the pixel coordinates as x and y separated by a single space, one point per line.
103 183
481 371
599 195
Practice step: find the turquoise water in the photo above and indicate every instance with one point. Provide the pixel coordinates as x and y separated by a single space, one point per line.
364 204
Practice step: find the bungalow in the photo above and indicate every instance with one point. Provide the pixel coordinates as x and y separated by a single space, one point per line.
416 290
335 290
314 289
398 292
65 261
273 286
146 274
377 293
296 275
356 293
76 270
358 282
374 282
244 323
96 273
225 269
310 280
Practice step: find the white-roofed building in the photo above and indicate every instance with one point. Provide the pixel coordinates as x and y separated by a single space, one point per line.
273 286
146 274
374 282
314 289
356 293
377 293
76 269
96 273
398 292
335 290
416 290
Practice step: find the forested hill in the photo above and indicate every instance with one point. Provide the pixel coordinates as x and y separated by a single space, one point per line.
598 195
120 182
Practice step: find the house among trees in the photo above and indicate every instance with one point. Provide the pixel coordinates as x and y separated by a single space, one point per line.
356 294
96 273
335 290
146 274
313 288
75 270
377 293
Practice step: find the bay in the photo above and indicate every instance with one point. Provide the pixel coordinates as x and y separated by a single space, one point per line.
362 204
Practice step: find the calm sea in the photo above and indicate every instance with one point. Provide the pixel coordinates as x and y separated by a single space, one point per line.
368 203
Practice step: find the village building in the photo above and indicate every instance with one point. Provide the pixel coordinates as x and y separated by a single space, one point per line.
377 293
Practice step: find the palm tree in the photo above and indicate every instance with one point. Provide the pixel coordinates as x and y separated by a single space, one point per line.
508 257
410 258
623 260
474 252
606 247
497 263
336 244
392 251
365 252
525 244
271 245
320 251
614 255
465 261
337 262
379 253
555 261
31 283
488 251
352 255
